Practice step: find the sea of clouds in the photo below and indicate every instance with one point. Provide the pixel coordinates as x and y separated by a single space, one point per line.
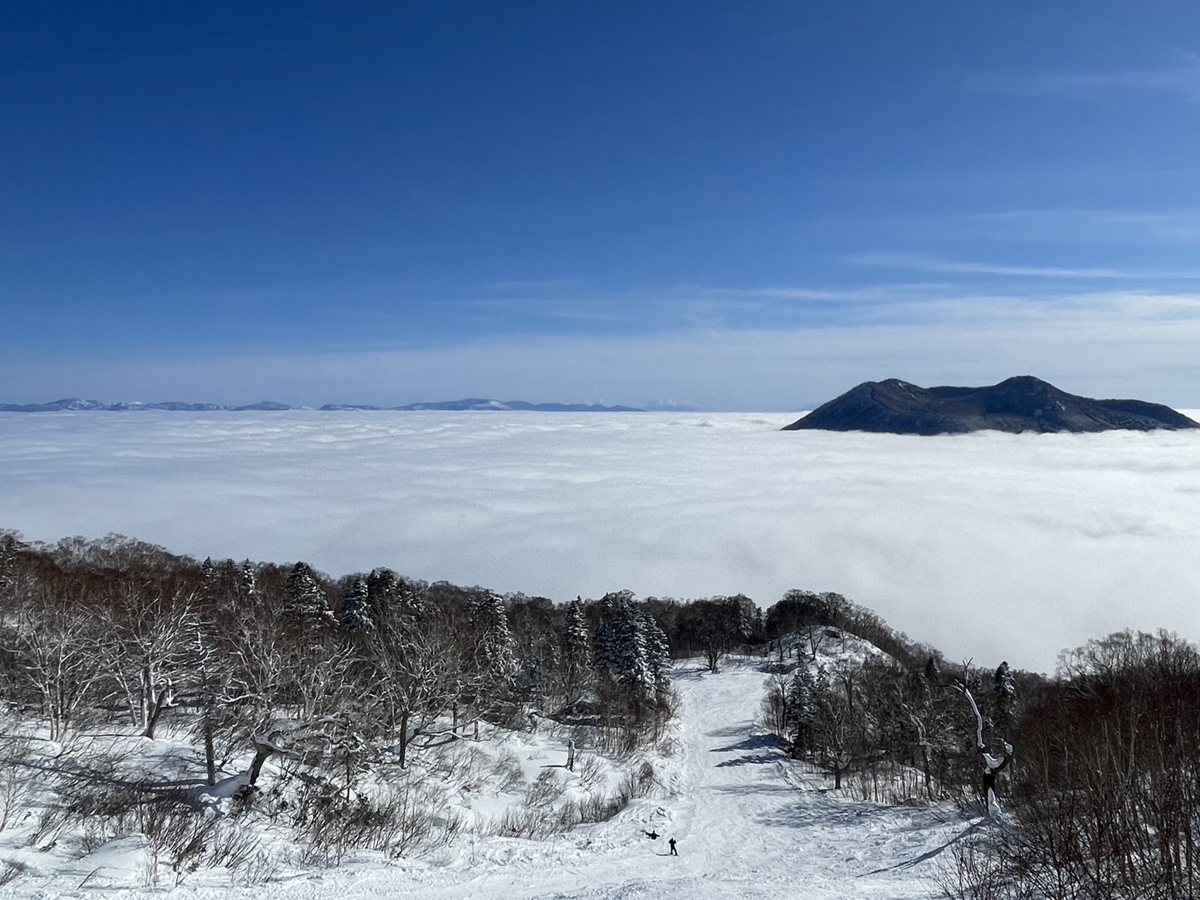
989 546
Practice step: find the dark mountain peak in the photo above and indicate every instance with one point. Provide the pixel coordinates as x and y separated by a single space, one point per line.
1021 403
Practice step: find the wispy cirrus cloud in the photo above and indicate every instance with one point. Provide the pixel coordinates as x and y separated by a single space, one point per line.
1113 343
1136 225
923 263
1181 78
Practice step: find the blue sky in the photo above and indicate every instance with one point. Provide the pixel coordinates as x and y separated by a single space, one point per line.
733 205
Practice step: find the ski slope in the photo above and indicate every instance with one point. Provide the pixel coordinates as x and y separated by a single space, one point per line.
748 821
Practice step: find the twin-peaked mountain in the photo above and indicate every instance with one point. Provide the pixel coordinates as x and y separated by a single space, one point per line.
1018 404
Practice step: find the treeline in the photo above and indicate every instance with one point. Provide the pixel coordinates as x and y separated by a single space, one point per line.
268 657
257 654
1089 781
1105 800
372 696
892 732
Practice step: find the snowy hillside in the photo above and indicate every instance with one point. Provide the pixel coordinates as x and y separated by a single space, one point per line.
748 821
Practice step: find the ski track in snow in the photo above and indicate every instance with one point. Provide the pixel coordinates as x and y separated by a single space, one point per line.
749 822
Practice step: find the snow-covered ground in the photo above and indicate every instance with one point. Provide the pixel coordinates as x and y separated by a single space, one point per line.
748 822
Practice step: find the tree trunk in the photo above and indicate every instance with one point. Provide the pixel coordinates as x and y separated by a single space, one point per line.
261 754
210 753
161 702
925 772
403 739
146 701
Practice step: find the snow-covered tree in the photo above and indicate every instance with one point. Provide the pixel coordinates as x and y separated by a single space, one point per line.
248 582
303 597
630 648
495 645
55 639
152 644
576 652
392 600
356 610
800 709
658 652
383 588
10 546
1004 697
208 571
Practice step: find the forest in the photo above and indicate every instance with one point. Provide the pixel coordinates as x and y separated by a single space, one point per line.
360 695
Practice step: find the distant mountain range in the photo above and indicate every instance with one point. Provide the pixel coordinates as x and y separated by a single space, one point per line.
1023 403
472 403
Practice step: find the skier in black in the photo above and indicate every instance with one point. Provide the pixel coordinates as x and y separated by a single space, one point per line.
653 835
674 852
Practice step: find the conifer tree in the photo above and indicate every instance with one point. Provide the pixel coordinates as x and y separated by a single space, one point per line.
382 590
630 646
249 582
210 584
495 639
658 654
356 611
575 656
801 705
1004 697
303 597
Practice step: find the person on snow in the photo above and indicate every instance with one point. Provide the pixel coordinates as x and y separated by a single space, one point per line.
653 835
674 852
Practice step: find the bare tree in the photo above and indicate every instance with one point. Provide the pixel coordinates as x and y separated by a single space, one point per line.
152 633
55 637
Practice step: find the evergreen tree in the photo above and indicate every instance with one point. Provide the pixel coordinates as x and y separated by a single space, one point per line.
411 602
248 582
658 653
382 589
494 640
630 647
356 611
1004 697
10 546
800 709
620 646
208 572
303 597
606 643
390 599
575 647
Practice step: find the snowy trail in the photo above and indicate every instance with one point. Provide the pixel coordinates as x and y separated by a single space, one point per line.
748 821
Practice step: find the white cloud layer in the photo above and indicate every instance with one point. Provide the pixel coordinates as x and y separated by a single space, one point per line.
989 545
